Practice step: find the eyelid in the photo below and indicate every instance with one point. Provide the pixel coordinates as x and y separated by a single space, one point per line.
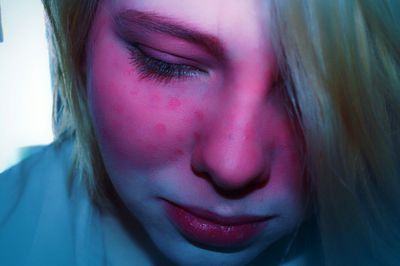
168 57
158 70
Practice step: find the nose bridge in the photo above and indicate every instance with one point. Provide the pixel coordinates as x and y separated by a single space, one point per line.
232 151
236 125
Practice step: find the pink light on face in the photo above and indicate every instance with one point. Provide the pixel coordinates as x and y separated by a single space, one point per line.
133 92
178 152
208 132
174 103
118 108
160 129
156 99
199 116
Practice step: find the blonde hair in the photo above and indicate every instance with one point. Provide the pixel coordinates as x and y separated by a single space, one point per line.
341 63
69 25
341 60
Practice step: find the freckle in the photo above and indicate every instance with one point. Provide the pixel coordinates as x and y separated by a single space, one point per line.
199 115
160 129
174 103
178 152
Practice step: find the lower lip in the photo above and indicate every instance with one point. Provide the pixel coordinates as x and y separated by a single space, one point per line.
210 233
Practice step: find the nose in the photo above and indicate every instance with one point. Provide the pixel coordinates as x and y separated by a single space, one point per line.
231 151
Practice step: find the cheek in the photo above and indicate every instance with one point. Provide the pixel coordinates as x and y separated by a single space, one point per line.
287 177
139 131
137 122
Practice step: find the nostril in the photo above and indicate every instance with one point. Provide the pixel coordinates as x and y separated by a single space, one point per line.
244 189
228 189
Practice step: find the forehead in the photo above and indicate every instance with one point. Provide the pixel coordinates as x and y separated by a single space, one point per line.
247 19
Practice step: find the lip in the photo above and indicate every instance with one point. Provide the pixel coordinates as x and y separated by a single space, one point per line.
213 230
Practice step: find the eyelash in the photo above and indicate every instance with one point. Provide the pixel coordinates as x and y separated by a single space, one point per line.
159 70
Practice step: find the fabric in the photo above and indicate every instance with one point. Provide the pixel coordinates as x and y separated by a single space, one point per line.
42 220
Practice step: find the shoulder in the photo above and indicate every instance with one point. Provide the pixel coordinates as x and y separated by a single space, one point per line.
40 219
33 176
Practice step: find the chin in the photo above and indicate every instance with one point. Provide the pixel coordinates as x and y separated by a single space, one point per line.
181 251
195 256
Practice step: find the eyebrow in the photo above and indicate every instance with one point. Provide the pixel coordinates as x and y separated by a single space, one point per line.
152 22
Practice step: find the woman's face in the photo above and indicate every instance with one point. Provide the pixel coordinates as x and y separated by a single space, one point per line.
193 127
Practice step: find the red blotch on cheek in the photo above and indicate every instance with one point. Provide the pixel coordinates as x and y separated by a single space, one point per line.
178 152
199 116
174 103
160 129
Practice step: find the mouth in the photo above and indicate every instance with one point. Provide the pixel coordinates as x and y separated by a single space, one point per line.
210 229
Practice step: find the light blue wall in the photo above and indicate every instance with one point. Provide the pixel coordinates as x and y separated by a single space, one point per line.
25 94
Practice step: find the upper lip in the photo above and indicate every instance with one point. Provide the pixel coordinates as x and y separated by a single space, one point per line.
222 220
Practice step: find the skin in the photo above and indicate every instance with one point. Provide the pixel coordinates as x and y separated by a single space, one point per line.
220 140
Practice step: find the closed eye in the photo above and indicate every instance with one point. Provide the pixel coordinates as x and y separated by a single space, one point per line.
156 69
